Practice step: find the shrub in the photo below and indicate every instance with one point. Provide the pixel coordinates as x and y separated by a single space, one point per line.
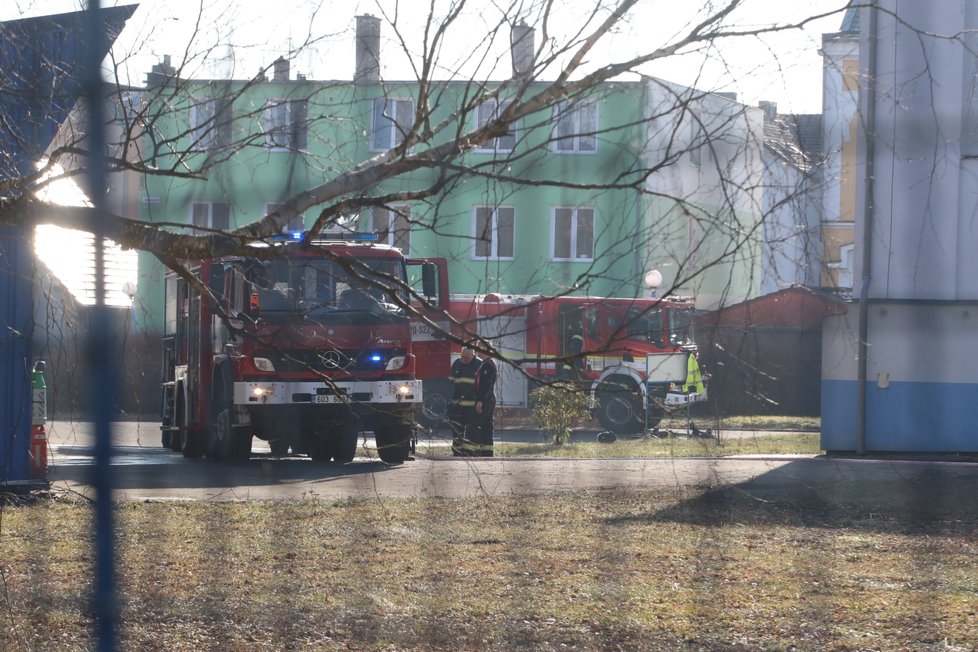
559 407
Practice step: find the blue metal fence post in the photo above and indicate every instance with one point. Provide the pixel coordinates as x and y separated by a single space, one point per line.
106 606
48 62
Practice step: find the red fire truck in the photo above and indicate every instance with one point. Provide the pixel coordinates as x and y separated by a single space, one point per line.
303 345
633 356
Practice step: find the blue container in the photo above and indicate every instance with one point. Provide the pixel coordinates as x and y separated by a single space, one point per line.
16 330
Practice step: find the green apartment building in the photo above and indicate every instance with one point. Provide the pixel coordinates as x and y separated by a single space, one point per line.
558 204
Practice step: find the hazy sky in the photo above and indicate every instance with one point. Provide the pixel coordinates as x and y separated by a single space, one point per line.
237 37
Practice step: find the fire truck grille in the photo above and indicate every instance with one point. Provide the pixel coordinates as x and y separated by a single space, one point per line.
325 360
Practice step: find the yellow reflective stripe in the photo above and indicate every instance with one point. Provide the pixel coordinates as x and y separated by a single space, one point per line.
464 403
461 380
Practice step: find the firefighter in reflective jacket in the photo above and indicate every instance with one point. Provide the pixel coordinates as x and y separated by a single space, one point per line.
694 378
485 405
461 412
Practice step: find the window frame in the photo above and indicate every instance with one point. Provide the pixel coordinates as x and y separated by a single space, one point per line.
574 232
294 129
573 111
396 129
210 215
494 242
492 146
213 132
390 233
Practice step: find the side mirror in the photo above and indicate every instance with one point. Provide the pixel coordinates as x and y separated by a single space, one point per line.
429 280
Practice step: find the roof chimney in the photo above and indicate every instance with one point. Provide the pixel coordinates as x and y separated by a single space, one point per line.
522 49
770 109
161 72
368 49
280 69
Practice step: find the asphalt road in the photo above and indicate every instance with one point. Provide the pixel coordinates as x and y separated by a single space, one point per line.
142 470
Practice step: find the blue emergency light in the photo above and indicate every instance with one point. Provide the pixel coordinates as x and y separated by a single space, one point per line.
352 236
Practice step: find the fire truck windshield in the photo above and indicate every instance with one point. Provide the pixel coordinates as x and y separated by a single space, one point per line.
644 324
681 326
318 287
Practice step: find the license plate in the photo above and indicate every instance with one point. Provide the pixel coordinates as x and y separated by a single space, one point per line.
328 398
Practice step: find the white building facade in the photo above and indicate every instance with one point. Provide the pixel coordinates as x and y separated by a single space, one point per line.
703 222
899 369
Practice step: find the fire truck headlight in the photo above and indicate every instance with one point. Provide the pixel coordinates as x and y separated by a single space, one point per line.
395 363
264 364
259 392
404 391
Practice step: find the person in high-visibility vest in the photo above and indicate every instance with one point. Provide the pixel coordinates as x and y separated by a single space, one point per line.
694 378
461 411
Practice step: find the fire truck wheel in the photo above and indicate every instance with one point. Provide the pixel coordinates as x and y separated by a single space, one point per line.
240 444
334 441
319 450
434 410
345 443
620 408
220 435
393 443
192 444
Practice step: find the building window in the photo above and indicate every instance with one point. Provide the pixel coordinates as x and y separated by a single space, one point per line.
392 226
573 234
575 126
210 123
285 124
494 231
297 223
487 112
211 215
392 119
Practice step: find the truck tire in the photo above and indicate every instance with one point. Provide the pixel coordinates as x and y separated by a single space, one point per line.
240 444
620 406
334 441
393 442
345 443
433 412
192 444
220 435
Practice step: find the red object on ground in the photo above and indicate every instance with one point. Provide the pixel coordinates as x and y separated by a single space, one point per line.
39 452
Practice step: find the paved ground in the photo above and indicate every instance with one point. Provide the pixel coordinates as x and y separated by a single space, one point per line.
143 470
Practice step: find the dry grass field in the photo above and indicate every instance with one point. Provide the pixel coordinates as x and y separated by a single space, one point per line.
685 569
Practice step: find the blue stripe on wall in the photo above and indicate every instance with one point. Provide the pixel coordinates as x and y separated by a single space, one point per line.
905 417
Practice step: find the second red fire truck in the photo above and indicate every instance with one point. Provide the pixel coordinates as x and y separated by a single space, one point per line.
633 356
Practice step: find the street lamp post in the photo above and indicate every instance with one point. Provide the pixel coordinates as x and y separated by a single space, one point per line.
653 279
